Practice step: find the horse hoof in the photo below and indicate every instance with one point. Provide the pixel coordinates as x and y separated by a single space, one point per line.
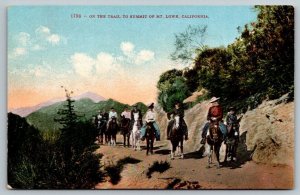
207 166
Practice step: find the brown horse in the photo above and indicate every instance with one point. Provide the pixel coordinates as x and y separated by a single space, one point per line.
150 135
214 140
101 127
111 131
176 137
125 128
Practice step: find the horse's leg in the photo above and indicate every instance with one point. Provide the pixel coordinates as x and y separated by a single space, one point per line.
148 145
217 153
209 161
172 150
128 137
152 143
226 152
181 149
134 141
114 139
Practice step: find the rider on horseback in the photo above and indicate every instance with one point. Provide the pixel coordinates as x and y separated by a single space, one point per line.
232 120
150 117
215 112
126 113
177 111
136 110
112 113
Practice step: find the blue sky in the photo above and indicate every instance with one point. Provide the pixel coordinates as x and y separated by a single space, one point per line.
47 48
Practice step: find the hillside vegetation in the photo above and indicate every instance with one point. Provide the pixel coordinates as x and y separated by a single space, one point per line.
44 119
258 65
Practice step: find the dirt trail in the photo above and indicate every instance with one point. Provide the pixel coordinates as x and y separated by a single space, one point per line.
242 175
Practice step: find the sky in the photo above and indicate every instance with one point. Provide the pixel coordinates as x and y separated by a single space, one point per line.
119 58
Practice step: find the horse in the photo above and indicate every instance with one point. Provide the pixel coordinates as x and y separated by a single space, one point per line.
232 141
176 137
150 136
135 135
214 141
125 130
101 127
111 131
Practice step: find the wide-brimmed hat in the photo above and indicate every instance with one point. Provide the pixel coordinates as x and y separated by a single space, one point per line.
151 105
213 99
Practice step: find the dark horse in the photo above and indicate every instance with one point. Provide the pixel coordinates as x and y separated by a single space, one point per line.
176 137
125 128
111 131
214 140
101 127
232 141
150 135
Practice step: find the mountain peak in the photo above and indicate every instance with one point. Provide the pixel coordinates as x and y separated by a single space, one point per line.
90 95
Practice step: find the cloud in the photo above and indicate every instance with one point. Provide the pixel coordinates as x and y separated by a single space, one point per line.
38 71
54 39
37 47
19 51
83 64
42 30
44 33
41 40
104 62
127 48
107 64
144 56
23 39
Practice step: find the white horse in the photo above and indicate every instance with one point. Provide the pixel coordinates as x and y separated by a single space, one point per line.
135 135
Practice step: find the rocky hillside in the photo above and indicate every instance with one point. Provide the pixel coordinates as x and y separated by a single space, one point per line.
270 132
267 132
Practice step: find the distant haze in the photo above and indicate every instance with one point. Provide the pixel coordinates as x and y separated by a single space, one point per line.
25 111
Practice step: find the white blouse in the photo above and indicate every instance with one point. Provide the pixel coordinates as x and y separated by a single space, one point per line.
150 116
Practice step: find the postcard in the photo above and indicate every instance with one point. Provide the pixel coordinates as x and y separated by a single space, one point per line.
150 97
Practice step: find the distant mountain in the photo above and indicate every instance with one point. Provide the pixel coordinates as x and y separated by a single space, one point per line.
43 119
90 95
25 111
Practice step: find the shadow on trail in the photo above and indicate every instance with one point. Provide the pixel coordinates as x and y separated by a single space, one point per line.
243 154
196 154
114 171
162 152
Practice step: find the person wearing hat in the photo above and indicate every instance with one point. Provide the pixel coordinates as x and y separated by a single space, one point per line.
216 112
177 111
112 113
231 119
136 110
151 117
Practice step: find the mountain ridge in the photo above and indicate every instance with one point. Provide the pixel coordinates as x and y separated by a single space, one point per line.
25 111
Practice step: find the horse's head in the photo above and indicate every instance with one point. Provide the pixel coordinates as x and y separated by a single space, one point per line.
113 119
176 119
135 116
